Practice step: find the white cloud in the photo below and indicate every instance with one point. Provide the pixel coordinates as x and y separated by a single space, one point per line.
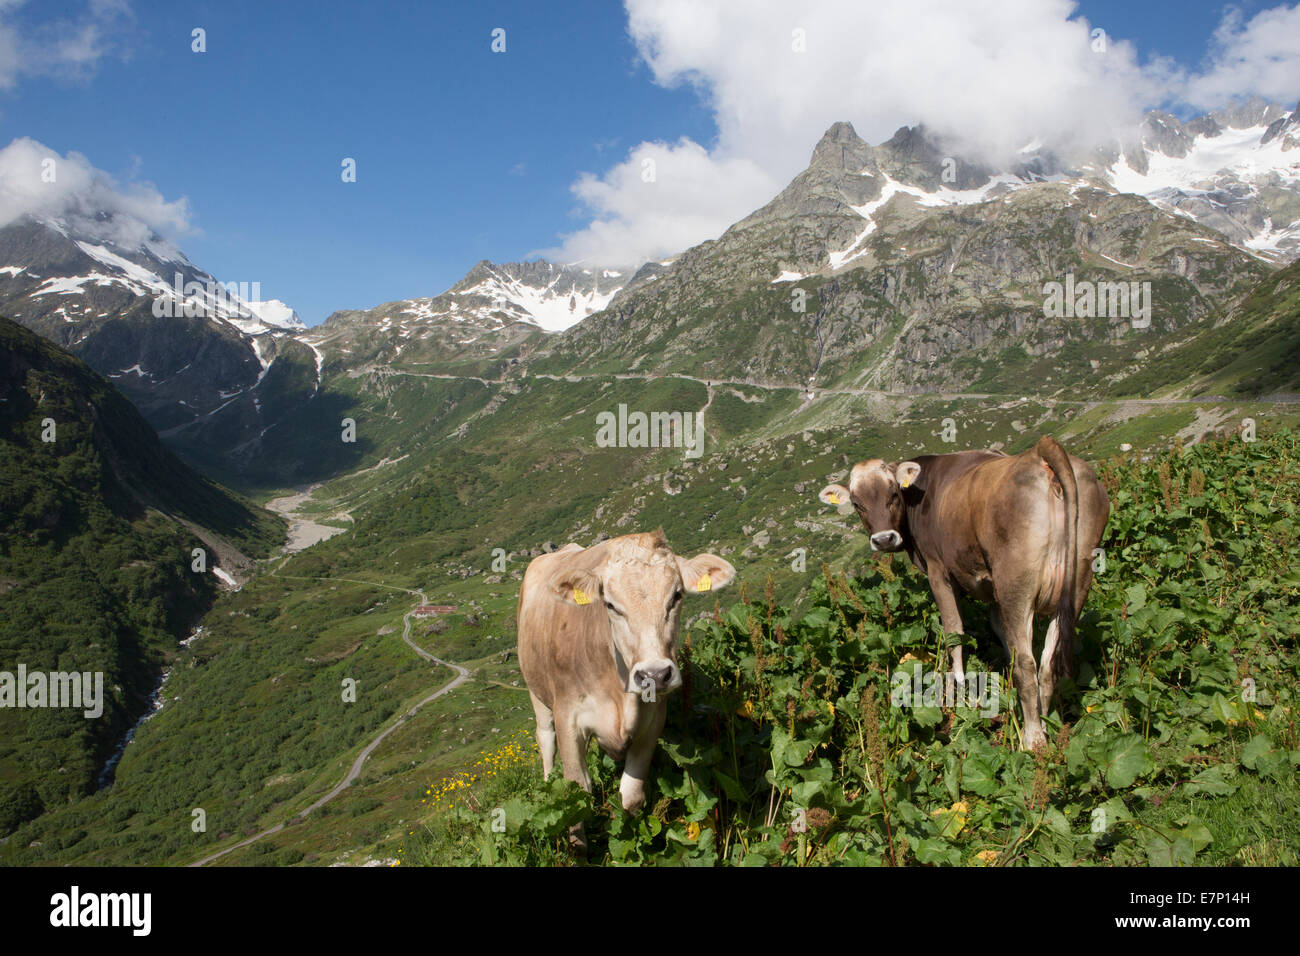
69 47
988 77
80 195
663 198
1260 56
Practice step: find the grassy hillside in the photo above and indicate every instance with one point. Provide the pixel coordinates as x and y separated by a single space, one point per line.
95 562
1253 350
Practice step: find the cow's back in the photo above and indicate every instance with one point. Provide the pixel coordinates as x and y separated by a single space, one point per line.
993 508
944 526
1016 495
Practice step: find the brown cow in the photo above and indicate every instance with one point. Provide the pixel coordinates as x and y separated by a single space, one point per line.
598 649
1008 530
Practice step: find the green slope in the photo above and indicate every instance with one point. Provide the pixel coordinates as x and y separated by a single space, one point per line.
95 561
1254 350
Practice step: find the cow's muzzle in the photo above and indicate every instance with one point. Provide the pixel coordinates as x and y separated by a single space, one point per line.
886 541
654 678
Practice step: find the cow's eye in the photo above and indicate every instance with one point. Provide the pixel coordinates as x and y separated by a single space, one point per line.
676 598
612 608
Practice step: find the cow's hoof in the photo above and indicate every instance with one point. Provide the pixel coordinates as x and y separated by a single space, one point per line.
1035 740
634 805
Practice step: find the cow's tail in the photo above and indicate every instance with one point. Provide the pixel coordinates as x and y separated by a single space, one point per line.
1058 461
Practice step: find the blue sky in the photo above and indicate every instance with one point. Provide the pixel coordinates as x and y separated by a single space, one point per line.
462 154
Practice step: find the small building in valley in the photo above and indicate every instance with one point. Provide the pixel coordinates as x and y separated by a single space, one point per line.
429 610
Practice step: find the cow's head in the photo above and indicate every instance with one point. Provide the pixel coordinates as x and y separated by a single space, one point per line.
640 585
876 492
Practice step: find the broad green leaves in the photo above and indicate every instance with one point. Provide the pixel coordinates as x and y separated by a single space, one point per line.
1128 759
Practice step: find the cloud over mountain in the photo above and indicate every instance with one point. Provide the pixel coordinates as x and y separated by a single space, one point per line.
987 77
1260 56
36 181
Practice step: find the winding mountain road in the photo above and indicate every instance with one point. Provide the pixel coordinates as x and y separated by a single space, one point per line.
462 675
1282 398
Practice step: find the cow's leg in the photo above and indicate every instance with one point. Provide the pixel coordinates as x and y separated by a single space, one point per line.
573 741
1091 522
637 763
1019 622
995 622
1046 677
950 617
545 734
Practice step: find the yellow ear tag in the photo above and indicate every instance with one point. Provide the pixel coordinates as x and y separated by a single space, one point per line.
835 499
704 584
580 596
907 480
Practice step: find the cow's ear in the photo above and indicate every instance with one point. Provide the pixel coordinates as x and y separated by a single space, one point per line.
834 495
705 572
906 473
577 586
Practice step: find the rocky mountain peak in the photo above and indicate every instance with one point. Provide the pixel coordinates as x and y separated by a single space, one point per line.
1164 132
840 148
1287 127
1250 112
916 157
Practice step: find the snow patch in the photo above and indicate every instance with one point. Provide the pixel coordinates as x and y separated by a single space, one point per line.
549 308
72 285
940 197
276 314
1234 152
226 578
320 360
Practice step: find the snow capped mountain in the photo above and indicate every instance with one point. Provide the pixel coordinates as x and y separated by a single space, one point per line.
83 277
488 314
914 265
551 297
1236 171
193 354
276 315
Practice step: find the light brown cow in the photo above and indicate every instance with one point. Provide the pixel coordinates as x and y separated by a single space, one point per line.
1009 530
598 649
